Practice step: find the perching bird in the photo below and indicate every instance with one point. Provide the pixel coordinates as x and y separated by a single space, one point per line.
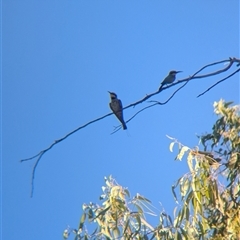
116 107
170 78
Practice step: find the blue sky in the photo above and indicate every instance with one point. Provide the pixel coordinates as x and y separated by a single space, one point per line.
59 59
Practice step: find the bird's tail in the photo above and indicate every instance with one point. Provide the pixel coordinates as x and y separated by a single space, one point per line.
124 125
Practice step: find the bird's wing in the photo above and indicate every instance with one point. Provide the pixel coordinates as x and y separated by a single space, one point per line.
110 105
120 103
164 81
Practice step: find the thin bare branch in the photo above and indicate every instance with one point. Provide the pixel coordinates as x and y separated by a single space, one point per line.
155 103
218 82
41 153
117 129
186 80
63 138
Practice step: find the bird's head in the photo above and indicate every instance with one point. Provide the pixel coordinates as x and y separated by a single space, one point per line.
113 95
173 72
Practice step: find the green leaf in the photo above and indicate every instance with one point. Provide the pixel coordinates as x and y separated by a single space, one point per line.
181 153
201 227
171 146
184 187
82 220
139 197
189 161
170 219
139 222
116 232
174 186
187 212
178 236
126 226
174 211
179 218
90 214
174 194
184 233
66 234
227 104
127 192
103 211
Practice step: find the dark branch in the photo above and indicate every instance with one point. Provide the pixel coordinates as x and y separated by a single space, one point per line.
186 80
63 138
218 82
41 153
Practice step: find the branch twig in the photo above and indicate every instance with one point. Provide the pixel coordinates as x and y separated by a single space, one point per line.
218 82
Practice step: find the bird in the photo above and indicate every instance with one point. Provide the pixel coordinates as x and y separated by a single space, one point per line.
116 107
170 78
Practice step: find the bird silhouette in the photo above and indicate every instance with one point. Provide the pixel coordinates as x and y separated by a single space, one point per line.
116 107
170 78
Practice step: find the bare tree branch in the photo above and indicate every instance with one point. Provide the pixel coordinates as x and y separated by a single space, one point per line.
219 82
41 153
186 80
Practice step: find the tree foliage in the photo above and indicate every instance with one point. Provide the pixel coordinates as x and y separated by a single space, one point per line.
207 197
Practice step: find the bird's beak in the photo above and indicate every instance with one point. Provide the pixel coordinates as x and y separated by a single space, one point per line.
178 71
